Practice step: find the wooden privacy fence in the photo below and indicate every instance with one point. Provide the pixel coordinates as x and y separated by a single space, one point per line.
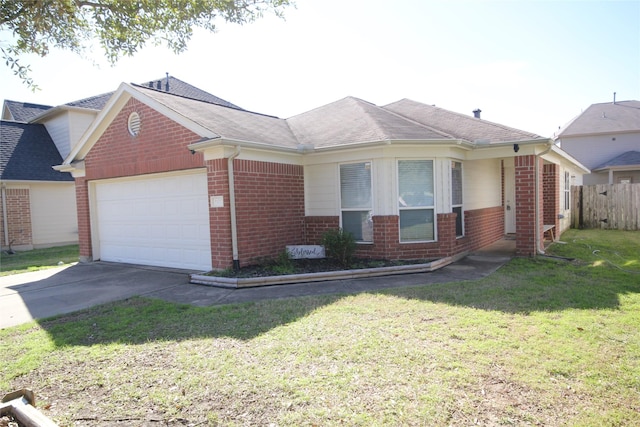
613 207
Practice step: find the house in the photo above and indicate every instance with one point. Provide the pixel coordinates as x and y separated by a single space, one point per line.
606 139
38 204
199 184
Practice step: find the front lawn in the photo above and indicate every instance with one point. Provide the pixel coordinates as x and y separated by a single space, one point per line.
540 342
37 259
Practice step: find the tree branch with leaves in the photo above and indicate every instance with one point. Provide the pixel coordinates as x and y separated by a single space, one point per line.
122 27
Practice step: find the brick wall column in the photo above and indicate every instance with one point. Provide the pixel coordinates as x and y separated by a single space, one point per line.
551 198
525 172
84 220
19 218
219 218
447 233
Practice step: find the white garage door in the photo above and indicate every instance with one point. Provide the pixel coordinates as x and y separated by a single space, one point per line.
160 220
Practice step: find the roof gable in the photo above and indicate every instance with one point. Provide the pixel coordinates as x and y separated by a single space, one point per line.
609 117
458 125
352 120
27 153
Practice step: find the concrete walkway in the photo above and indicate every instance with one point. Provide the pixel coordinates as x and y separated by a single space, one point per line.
41 294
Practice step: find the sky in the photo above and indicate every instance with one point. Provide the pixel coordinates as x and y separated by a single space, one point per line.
530 65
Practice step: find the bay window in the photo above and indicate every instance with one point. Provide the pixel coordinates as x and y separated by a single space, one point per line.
416 203
456 196
356 203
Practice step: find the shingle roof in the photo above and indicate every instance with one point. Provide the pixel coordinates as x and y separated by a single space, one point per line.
623 116
352 120
180 88
630 158
28 153
229 123
458 125
94 102
176 87
24 111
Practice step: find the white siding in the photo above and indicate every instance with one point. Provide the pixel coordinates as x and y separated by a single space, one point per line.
79 122
321 190
482 184
53 214
58 128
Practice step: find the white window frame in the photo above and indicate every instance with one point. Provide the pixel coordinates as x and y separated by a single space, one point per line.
567 191
415 208
460 205
367 233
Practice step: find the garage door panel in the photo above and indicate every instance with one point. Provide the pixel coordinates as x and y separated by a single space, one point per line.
157 220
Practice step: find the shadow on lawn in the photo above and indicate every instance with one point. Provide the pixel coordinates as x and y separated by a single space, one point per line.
529 285
522 286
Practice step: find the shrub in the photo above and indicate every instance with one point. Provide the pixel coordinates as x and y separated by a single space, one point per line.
339 245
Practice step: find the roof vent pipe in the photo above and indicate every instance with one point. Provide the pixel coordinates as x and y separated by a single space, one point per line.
614 97
476 113
167 85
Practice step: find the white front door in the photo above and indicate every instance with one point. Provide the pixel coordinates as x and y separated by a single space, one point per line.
509 197
159 219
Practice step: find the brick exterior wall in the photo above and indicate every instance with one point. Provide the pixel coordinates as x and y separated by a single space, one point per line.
18 218
316 226
525 172
270 208
482 227
551 199
161 146
84 220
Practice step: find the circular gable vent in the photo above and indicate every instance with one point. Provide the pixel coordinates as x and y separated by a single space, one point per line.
134 124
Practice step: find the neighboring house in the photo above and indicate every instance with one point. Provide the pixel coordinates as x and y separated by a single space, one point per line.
606 139
38 205
173 181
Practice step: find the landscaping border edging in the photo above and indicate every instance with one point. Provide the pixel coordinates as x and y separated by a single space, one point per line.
252 282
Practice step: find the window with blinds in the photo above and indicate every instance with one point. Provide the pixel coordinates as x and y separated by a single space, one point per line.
356 201
456 196
416 203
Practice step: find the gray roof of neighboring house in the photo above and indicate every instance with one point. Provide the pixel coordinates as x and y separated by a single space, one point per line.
27 153
229 123
608 117
630 158
24 111
458 125
352 120
180 88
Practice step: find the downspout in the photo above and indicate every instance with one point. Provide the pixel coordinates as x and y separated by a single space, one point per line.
232 206
5 221
538 243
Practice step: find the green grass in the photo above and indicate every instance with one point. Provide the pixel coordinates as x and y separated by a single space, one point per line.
540 342
37 259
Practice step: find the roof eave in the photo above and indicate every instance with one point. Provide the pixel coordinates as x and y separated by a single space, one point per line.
201 146
456 143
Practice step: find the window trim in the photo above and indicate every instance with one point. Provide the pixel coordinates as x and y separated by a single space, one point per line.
432 207
341 209
461 205
567 191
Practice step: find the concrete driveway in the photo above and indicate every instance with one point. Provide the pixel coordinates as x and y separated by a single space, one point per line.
37 295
